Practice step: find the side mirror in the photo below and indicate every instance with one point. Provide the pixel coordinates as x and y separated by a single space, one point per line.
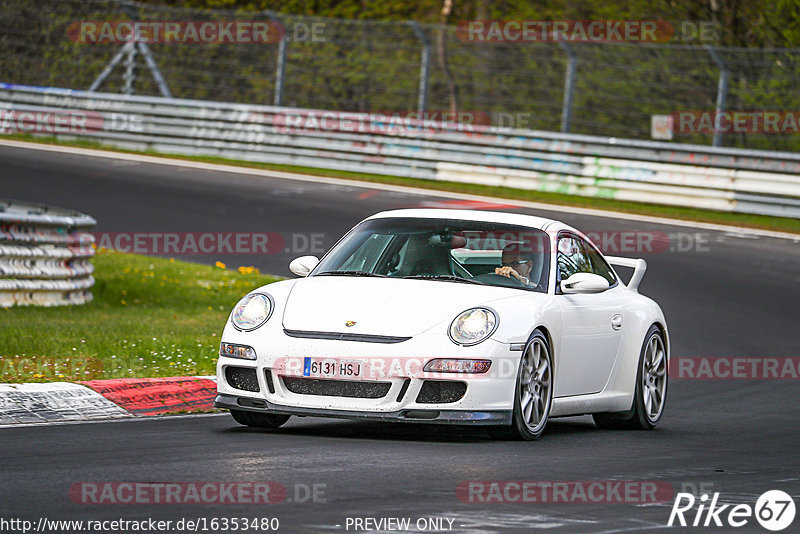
303 265
584 283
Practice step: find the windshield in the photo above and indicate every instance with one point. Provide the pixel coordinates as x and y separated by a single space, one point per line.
447 250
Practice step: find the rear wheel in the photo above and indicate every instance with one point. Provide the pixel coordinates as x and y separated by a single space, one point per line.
650 394
533 396
259 420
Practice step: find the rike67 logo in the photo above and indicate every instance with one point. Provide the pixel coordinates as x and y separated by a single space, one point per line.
774 510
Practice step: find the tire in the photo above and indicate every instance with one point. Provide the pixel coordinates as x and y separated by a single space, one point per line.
650 394
259 420
533 394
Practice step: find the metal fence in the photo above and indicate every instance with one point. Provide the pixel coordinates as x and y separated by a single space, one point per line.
608 89
44 255
724 179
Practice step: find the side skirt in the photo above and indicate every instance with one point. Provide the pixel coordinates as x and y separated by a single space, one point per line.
594 403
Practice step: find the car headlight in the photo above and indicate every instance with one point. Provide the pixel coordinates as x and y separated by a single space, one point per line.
473 326
252 311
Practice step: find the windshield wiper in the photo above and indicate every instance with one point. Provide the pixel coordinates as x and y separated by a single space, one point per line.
448 277
351 273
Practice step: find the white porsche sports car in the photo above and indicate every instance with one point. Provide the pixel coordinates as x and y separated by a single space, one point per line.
450 316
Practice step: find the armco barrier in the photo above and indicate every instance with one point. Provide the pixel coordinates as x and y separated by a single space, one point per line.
44 255
724 179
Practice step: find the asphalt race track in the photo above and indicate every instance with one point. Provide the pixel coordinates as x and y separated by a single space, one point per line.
729 295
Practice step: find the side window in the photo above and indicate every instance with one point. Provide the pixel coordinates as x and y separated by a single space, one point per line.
572 258
600 266
576 256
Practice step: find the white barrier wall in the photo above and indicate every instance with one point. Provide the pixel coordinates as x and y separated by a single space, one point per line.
44 255
724 179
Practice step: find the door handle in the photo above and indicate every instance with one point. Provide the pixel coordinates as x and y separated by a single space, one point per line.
616 322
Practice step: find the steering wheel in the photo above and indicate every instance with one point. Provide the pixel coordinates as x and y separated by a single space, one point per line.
499 280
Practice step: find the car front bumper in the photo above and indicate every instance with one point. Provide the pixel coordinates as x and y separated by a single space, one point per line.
488 398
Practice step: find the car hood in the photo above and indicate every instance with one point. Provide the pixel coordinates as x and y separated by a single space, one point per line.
381 306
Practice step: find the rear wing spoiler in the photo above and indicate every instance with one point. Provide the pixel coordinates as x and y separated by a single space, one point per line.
639 267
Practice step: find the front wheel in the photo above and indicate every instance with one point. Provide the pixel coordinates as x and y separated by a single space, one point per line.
534 391
650 394
259 420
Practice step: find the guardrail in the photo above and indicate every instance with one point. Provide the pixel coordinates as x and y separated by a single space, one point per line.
44 255
725 179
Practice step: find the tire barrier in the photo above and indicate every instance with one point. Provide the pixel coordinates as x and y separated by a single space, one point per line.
45 255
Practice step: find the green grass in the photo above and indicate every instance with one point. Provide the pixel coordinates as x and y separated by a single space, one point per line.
780 224
150 317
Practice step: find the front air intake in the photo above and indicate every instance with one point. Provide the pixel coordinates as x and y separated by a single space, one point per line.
243 378
441 392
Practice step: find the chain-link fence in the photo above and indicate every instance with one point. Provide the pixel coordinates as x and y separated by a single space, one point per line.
609 88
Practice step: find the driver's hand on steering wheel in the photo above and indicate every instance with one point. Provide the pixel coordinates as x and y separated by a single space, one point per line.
505 270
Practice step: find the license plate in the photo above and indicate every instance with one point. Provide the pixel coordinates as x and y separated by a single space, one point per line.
331 368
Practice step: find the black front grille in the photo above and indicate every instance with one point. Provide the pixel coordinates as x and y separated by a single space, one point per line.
441 391
243 378
337 388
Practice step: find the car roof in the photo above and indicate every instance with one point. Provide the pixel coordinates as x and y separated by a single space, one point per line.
519 219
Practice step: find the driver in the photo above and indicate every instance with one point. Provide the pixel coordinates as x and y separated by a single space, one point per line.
514 265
